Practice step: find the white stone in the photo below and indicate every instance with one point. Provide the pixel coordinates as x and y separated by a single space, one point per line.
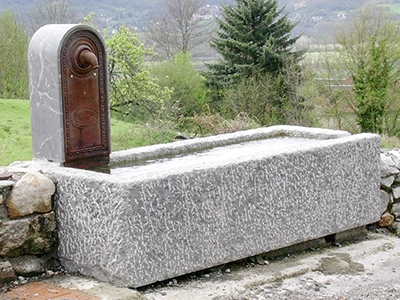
388 167
385 200
388 181
27 265
396 192
32 193
396 210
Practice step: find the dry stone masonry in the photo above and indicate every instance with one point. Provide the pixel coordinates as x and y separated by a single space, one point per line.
27 223
390 190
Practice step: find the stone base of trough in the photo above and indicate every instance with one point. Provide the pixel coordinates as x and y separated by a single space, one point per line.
159 225
28 234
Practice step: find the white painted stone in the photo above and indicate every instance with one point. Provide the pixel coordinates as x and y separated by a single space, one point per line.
32 193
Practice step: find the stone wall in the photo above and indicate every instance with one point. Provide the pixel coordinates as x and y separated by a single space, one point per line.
390 190
27 224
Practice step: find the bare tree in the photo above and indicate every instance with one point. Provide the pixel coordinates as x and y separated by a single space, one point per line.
181 28
50 12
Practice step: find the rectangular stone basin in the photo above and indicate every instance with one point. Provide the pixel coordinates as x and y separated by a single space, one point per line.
172 209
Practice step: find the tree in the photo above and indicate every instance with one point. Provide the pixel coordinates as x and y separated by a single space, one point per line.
189 88
370 54
256 47
180 28
254 38
50 12
133 92
13 58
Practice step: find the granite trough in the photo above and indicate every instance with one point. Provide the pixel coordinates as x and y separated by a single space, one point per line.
195 204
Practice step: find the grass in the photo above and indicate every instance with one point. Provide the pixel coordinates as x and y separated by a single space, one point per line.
16 140
15 131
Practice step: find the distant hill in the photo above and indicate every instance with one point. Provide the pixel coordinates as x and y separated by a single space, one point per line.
316 18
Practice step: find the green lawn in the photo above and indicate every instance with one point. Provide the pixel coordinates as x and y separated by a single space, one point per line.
15 131
16 141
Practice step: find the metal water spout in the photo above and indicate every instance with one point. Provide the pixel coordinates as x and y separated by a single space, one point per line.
88 58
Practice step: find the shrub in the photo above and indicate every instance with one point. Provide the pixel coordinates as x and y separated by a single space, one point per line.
188 85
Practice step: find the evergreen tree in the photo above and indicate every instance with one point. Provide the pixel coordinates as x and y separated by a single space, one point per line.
254 38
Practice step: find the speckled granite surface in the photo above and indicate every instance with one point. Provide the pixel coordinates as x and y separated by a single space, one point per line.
137 231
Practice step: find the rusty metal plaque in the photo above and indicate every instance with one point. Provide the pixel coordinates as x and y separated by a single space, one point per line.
85 100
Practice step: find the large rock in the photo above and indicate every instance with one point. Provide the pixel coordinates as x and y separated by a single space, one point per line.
388 181
396 192
28 265
386 220
32 193
386 199
388 166
6 272
33 235
396 228
396 210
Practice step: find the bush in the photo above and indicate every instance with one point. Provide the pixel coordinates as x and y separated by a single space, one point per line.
13 58
190 93
265 99
133 92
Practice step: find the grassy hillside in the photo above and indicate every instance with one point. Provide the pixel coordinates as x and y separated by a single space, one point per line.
16 141
15 131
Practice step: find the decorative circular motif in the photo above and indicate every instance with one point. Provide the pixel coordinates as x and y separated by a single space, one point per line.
83 117
75 63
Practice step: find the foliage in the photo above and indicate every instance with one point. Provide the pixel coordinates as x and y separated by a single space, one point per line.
190 93
253 39
207 123
133 92
371 55
16 140
126 135
266 100
258 72
13 58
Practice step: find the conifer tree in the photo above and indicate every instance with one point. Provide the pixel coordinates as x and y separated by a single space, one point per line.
254 38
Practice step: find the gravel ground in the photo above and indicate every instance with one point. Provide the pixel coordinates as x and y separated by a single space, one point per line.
366 270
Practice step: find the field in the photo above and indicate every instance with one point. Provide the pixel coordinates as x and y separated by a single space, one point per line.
394 8
15 133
